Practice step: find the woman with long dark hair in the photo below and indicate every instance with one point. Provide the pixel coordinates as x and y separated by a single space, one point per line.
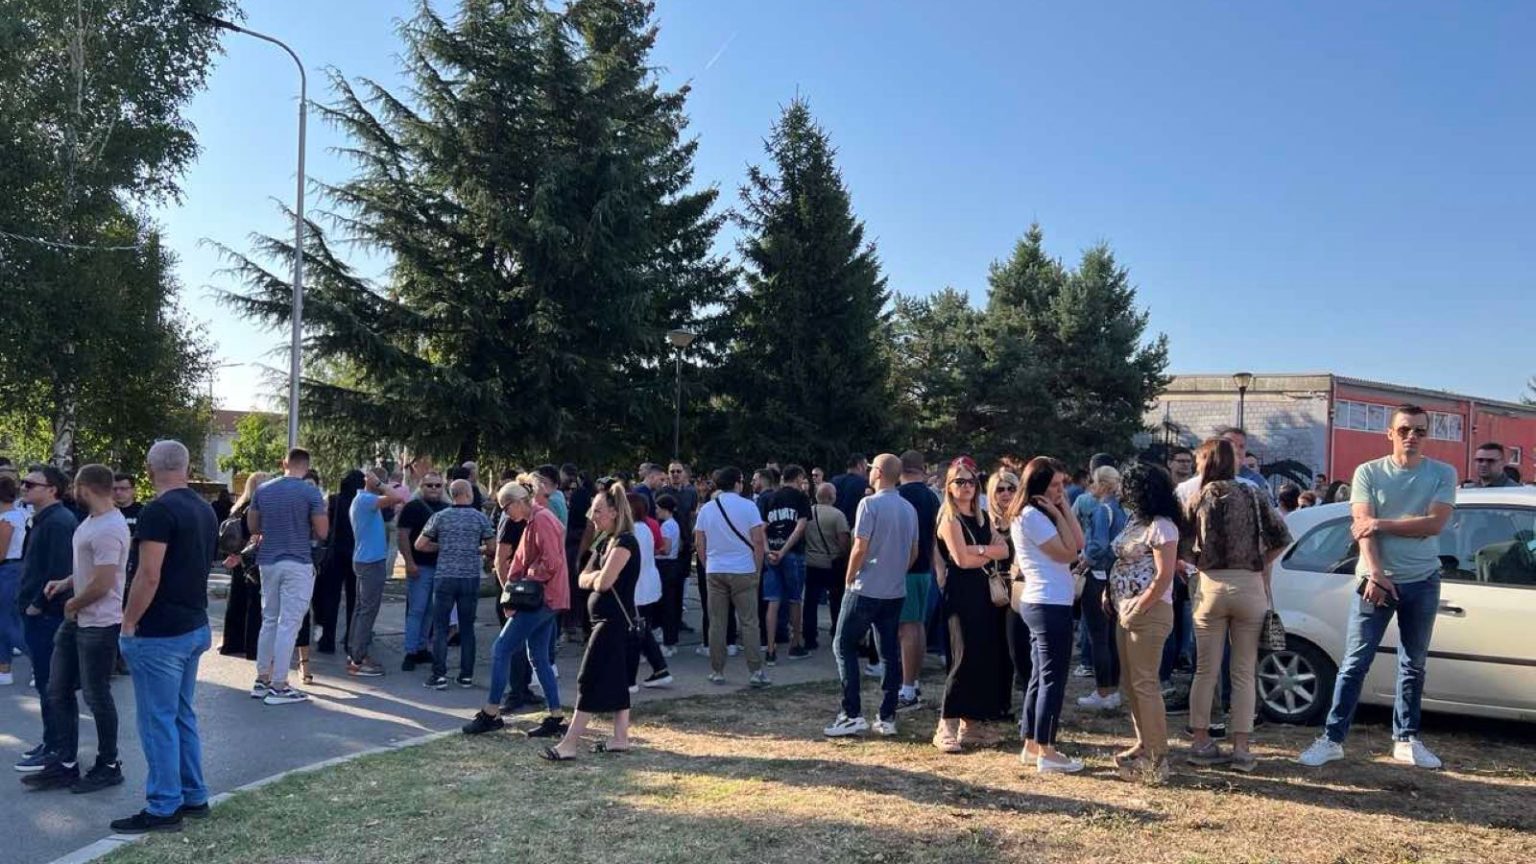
337 576
602 682
1146 554
967 546
1047 540
1237 535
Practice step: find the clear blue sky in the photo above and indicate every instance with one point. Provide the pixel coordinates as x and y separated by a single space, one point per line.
1294 186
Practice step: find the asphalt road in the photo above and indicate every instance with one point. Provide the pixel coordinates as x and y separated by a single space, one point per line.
244 740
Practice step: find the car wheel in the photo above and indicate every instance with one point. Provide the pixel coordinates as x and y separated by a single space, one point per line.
1296 685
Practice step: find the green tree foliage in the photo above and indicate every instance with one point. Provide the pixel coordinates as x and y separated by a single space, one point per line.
1086 336
808 374
91 94
261 442
532 193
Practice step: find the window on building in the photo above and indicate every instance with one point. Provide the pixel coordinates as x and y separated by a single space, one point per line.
1514 455
1362 416
1445 427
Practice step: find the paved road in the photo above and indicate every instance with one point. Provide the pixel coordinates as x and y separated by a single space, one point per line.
244 740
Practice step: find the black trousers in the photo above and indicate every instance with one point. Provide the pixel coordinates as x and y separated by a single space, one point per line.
670 614
83 659
335 580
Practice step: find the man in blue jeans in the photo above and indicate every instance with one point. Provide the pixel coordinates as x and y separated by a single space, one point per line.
885 543
165 632
459 535
786 510
1400 504
420 567
47 556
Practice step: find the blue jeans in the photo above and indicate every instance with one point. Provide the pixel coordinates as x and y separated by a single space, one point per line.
1179 644
1050 643
526 631
448 594
784 582
1418 604
164 684
418 603
10 617
856 617
39 630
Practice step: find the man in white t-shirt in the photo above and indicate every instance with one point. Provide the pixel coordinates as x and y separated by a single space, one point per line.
730 542
1189 490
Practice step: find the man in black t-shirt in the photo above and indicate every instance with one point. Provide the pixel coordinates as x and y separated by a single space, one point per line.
786 511
419 566
165 632
123 495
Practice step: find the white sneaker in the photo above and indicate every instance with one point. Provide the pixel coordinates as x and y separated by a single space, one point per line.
1052 766
874 670
1099 703
885 727
1322 752
7 679
844 726
733 650
702 651
668 651
1413 752
260 689
284 696
1082 671
634 688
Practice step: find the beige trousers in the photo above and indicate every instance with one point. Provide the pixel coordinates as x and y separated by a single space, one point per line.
740 590
1140 640
1228 604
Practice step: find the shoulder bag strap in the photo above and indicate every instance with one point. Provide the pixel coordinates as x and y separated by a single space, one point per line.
732 525
816 520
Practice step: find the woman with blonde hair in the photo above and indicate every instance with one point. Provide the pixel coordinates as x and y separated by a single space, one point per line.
602 682
1013 654
1237 535
967 548
1107 519
242 614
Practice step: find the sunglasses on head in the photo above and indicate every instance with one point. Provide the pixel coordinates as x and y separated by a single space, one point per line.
1405 431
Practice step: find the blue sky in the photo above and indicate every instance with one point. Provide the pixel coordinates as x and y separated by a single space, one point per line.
1294 186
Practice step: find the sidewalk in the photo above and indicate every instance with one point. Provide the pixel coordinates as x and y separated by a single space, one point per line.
244 740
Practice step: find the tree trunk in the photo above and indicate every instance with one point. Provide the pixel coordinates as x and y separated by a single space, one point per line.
62 453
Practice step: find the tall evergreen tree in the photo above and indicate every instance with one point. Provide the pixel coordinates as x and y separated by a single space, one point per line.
1088 340
533 196
808 375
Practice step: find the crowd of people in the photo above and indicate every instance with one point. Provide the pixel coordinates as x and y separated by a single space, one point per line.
1140 568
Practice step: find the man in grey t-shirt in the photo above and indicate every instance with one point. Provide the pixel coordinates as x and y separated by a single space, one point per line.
884 546
285 513
461 537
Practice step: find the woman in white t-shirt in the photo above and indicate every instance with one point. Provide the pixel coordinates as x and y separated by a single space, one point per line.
1047 541
13 532
647 599
1141 589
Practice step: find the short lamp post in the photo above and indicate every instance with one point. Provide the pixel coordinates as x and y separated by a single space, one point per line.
1243 380
679 340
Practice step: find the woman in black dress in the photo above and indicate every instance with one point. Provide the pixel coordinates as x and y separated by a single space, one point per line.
1013 651
967 545
242 611
602 682
337 577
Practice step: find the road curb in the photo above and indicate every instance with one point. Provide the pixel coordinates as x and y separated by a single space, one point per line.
107 845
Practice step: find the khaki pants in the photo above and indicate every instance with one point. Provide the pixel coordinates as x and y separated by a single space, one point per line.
739 590
1141 641
1228 604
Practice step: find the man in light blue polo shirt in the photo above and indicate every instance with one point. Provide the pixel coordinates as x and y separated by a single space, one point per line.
1400 505
885 543
369 556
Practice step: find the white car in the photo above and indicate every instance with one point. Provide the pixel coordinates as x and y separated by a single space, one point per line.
1482 659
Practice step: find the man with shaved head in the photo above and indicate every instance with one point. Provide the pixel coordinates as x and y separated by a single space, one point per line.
370 557
885 543
460 535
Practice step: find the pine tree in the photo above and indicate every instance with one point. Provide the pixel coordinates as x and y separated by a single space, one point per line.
808 373
534 199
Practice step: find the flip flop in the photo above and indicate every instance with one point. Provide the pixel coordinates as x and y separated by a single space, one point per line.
550 754
603 747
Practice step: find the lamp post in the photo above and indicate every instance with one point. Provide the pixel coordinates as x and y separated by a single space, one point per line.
1243 380
680 339
295 359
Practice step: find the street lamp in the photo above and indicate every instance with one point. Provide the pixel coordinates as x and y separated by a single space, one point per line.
295 360
1243 380
680 339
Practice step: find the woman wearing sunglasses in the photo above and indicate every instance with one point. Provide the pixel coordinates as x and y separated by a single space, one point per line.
1012 664
968 548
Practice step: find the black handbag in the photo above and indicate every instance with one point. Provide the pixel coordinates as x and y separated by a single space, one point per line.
522 595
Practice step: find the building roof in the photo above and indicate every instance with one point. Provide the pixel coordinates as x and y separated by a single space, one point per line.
225 421
1313 381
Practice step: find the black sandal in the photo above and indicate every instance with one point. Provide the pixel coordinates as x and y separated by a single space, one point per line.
602 747
550 754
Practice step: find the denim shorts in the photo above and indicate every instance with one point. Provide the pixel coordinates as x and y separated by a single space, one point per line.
915 608
784 582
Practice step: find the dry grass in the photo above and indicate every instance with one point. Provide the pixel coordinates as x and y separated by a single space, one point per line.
748 778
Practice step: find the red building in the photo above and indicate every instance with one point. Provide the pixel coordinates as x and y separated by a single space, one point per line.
1305 424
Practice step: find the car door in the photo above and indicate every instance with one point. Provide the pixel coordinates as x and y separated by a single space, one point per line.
1482 652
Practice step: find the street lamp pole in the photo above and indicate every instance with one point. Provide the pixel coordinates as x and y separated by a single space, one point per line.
1243 380
295 360
679 339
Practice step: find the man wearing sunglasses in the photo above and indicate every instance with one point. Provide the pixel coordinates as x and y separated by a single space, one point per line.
47 556
420 567
1489 462
1400 505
